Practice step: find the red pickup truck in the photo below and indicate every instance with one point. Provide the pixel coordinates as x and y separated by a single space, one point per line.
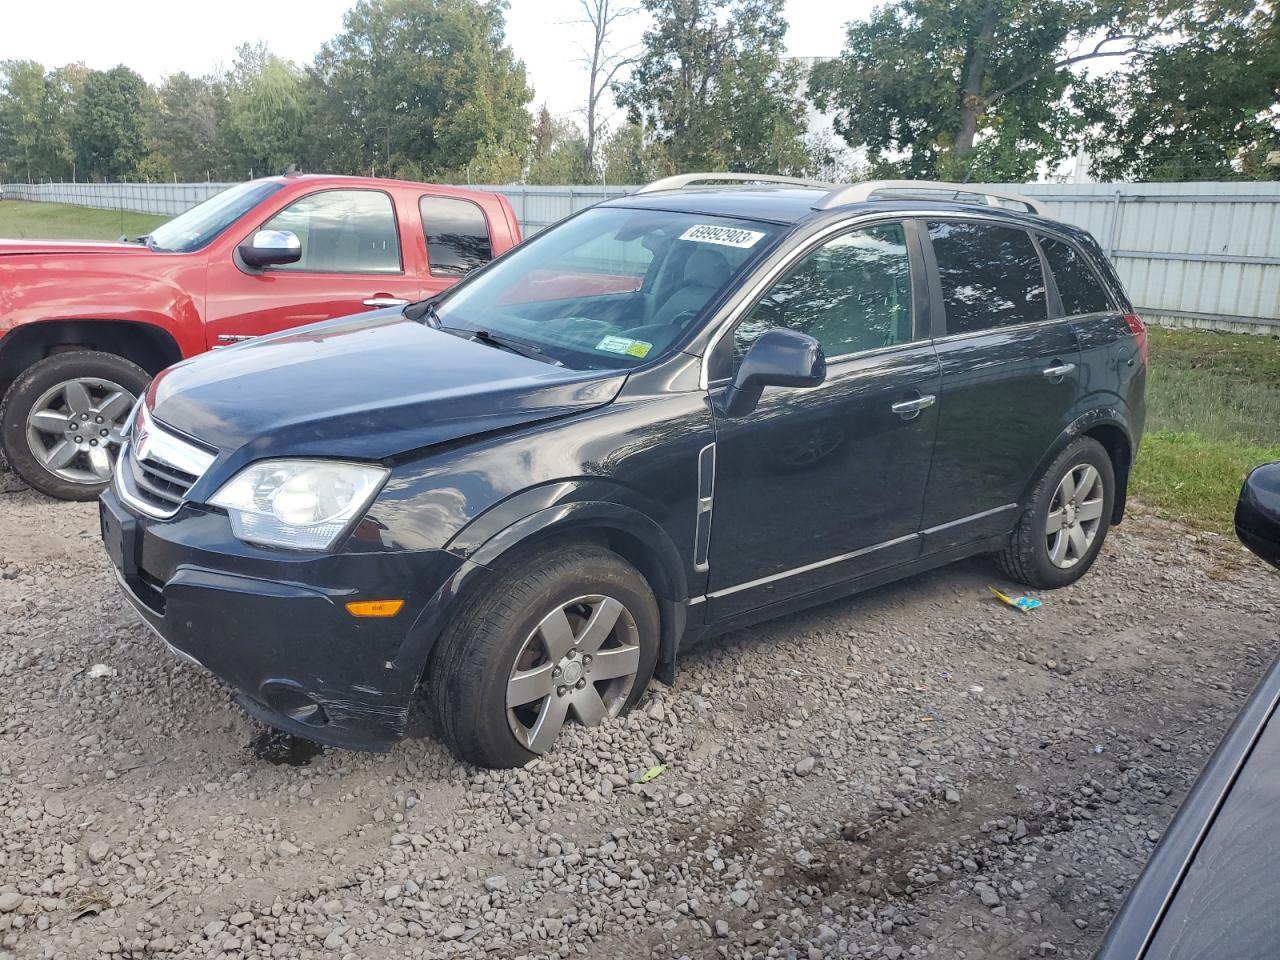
84 326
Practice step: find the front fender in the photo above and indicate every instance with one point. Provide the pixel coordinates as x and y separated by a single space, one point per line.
84 289
593 516
646 542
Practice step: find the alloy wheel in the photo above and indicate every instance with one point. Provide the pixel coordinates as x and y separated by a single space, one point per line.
75 428
1075 514
582 657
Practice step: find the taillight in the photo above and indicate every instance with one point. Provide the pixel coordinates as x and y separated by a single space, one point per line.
1139 330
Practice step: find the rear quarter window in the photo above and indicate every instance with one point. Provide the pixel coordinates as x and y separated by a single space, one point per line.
1078 285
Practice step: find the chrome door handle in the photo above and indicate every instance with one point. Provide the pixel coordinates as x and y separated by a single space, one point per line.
385 302
907 409
1059 371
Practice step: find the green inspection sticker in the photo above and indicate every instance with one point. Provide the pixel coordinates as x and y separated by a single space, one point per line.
625 346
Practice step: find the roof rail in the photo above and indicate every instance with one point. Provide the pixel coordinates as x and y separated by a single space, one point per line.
682 180
858 192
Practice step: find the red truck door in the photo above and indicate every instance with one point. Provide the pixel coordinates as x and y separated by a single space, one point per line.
353 260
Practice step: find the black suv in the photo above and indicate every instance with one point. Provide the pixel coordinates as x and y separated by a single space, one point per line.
670 415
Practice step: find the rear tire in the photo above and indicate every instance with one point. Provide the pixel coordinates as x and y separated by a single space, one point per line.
44 409
1065 521
529 650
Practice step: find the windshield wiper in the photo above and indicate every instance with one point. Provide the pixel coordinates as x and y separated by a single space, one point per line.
523 348
425 310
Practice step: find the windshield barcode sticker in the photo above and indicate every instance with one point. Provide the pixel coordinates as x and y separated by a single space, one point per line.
725 236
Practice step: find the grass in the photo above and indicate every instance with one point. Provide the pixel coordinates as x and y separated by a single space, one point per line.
1213 400
24 220
1213 413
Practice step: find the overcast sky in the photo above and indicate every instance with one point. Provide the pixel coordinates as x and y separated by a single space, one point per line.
159 37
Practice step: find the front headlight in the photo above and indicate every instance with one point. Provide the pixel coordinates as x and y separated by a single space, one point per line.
301 504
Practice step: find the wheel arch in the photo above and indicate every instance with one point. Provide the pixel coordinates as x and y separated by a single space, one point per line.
1108 427
148 345
626 531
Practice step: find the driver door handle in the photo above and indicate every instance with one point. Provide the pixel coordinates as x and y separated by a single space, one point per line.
385 302
909 409
1058 370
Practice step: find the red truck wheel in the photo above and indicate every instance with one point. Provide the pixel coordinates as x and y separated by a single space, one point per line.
62 419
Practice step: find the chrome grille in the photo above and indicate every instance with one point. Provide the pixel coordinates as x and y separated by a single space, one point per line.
157 468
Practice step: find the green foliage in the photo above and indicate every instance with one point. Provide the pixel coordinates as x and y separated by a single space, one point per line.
1203 107
188 130
36 110
267 112
711 85
559 153
432 83
992 90
1213 413
908 75
108 131
631 155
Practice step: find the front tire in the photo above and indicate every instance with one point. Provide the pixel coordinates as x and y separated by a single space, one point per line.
1062 529
570 633
62 421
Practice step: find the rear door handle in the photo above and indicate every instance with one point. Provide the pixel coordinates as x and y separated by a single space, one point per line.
910 409
385 302
1058 370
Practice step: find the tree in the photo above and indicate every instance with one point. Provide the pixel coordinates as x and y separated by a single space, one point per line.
603 64
108 134
35 119
267 112
428 88
975 86
1205 107
559 151
711 84
188 128
632 155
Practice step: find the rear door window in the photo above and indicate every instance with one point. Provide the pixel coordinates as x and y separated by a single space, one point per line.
342 231
1078 286
991 275
457 235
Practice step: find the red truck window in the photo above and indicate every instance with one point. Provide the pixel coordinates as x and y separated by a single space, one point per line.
342 231
457 235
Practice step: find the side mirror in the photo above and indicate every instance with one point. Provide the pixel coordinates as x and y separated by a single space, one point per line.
271 248
1258 513
778 358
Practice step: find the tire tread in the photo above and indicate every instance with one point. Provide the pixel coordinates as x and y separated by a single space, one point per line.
479 636
1017 561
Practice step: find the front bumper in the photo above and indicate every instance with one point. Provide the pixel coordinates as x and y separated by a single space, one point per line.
273 624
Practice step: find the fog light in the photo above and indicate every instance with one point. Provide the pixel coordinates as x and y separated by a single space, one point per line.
374 608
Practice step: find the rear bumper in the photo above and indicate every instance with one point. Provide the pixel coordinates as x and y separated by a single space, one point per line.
273 625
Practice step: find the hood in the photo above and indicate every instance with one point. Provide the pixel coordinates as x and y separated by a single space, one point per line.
78 247
367 387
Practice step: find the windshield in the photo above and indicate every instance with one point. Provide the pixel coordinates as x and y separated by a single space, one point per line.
201 224
611 288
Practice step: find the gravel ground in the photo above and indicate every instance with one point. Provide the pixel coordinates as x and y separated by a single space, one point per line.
916 772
